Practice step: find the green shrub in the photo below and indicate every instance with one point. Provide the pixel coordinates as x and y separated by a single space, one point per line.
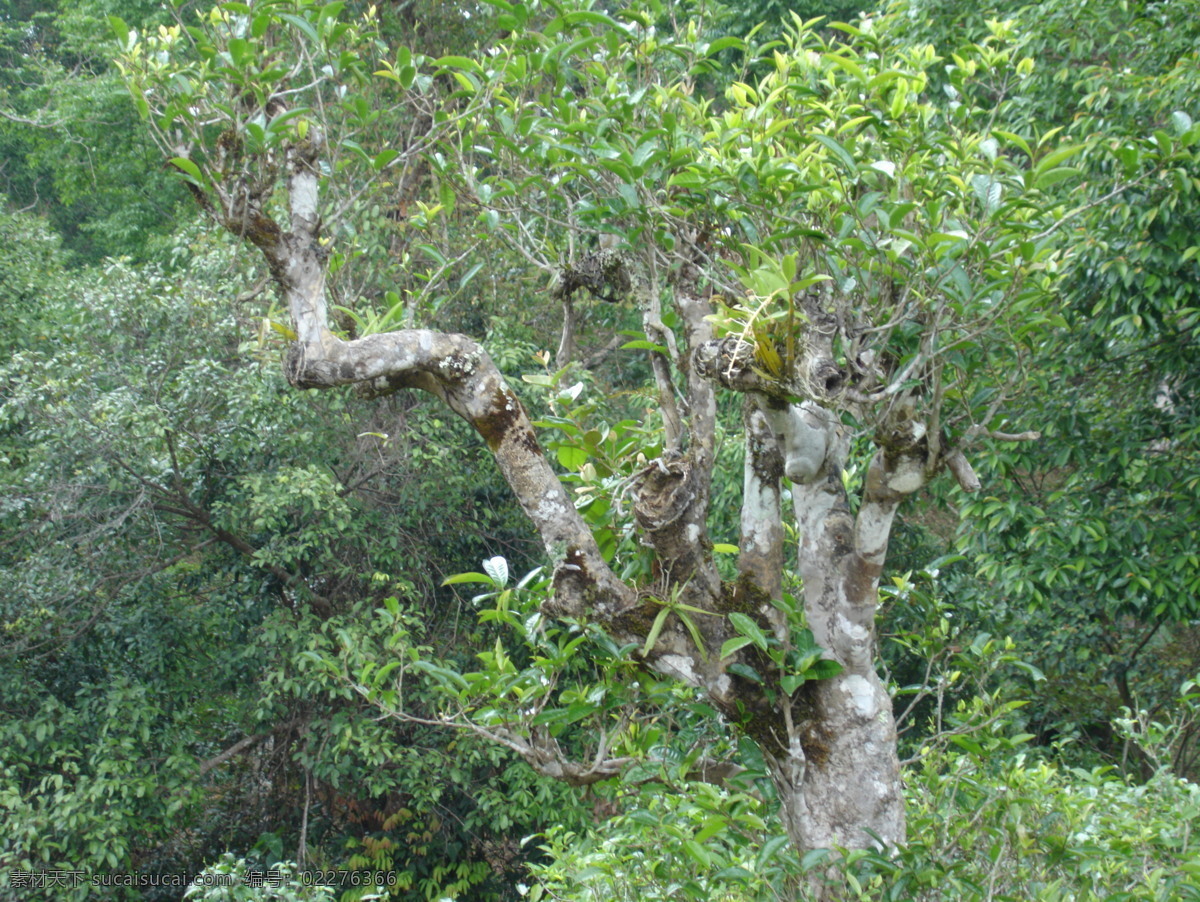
989 818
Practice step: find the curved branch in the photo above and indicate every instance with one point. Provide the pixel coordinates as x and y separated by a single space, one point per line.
452 367
459 372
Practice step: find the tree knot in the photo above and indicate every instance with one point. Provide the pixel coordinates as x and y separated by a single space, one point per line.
664 492
604 274
728 362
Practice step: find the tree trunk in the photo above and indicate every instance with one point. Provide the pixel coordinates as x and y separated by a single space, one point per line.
840 782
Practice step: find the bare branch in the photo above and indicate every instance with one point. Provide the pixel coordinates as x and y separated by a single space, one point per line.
245 743
1030 436
35 123
963 472
459 371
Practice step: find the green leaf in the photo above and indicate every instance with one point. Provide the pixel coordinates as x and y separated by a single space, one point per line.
687 179
733 873
856 32
239 48
847 65
1050 177
823 669
448 678
839 152
259 25
331 10
690 626
303 25
1015 140
190 170
460 578
470 274
571 457
656 629
729 646
641 345
724 43
644 152
497 568
1055 157
458 62
120 31
812 858
790 682
697 852
746 672
749 629
433 254
588 17
383 158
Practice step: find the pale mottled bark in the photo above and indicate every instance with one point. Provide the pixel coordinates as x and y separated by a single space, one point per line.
852 782
760 552
836 769
833 758
452 367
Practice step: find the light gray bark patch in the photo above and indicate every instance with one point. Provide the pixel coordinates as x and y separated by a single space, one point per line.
861 695
456 366
803 437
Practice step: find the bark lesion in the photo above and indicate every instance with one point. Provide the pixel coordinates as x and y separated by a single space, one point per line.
606 274
502 421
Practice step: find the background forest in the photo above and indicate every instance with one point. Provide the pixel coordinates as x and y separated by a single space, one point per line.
208 573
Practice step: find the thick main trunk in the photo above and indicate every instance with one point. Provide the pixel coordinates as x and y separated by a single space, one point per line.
841 786
850 794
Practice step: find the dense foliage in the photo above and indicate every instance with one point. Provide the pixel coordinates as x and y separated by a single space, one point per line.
232 636
1083 543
